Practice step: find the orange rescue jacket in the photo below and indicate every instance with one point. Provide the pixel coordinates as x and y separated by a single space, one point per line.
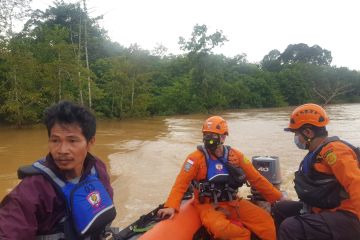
194 168
340 160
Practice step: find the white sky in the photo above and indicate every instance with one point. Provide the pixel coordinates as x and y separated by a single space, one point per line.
254 27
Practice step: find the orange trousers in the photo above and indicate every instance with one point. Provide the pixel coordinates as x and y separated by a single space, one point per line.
236 220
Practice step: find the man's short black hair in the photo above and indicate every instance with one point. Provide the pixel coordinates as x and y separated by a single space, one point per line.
66 112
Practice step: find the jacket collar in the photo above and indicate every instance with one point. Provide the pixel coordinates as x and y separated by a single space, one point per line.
88 164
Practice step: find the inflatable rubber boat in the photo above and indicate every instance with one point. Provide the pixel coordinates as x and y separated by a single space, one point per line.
186 224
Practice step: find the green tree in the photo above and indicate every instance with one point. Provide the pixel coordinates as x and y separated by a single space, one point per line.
302 53
206 74
200 42
21 101
272 62
10 11
293 85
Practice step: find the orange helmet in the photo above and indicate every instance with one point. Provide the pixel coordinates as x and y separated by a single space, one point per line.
215 124
308 114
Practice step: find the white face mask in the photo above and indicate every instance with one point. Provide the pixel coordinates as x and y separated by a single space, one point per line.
298 143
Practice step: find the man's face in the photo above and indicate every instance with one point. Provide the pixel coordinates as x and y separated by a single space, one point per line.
213 140
299 140
299 135
68 147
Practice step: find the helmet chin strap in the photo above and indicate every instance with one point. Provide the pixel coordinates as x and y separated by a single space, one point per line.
307 139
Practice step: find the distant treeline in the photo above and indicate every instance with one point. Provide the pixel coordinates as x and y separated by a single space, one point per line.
62 53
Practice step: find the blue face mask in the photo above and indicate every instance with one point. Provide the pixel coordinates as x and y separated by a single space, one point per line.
298 143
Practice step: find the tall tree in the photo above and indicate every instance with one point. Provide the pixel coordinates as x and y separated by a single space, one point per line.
11 10
59 65
330 83
87 55
204 71
272 62
201 42
302 53
22 102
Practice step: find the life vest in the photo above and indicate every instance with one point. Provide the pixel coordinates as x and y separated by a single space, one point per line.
222 179
89 207
319 189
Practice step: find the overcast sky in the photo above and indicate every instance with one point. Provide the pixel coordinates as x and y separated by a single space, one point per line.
254 27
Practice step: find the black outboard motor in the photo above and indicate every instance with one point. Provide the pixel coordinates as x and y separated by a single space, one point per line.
269 167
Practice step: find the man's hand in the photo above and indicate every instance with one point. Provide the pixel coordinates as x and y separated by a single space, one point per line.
284 196
166 212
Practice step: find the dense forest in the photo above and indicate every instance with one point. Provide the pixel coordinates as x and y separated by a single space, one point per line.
63 53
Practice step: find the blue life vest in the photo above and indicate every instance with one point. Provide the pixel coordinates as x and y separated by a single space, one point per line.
307 162
320 189
222 179
89 205
216 169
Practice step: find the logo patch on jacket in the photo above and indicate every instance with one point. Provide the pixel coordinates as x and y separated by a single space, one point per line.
330 158
219 166
188 165
246 160
94 199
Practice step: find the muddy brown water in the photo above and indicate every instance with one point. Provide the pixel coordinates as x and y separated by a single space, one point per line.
144 156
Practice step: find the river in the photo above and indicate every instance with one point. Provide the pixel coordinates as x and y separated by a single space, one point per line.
144 156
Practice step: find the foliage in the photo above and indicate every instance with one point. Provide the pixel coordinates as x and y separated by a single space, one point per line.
302 53
46 62
11 10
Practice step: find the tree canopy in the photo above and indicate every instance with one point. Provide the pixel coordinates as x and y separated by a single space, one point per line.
62 53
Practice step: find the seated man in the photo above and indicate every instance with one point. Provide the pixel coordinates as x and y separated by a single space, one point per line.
211 168
327 183
67 194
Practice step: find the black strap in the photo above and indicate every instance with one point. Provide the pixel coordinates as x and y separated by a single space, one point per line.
334 139
143 222
202 234
327 141
355 149
27 171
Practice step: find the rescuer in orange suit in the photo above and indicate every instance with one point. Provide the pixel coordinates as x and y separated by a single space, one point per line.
327 183
222 212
